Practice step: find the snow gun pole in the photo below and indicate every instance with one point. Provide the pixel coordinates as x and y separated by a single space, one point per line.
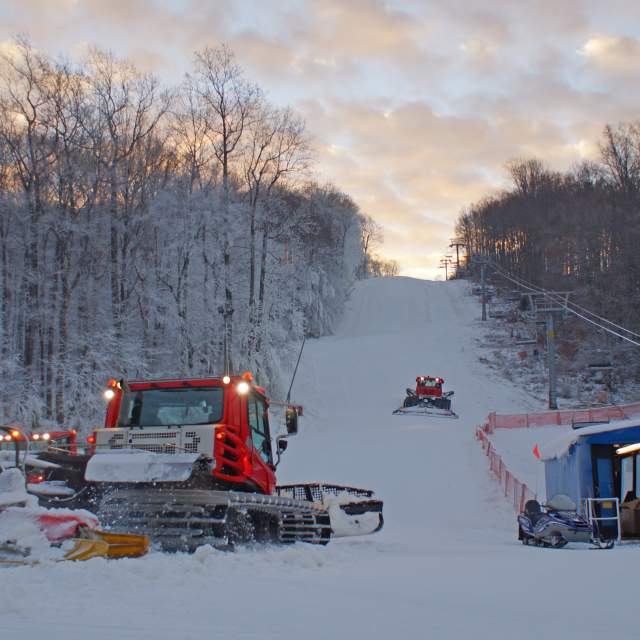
295 370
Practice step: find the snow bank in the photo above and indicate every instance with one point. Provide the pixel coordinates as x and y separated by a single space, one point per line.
12 488
516 448
18 524
17 527
32 528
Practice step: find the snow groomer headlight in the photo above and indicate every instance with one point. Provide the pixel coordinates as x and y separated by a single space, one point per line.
110 391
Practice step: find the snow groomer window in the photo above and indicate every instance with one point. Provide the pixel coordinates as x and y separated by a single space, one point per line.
259 428
172 407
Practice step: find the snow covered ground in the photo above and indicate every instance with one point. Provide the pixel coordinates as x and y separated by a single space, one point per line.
446 565
516 448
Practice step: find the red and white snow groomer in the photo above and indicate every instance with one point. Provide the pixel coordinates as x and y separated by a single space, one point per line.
428 399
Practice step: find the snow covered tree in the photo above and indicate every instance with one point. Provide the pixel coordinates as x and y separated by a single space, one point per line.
139 225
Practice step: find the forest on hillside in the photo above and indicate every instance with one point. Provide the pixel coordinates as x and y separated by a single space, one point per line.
577 231
152 230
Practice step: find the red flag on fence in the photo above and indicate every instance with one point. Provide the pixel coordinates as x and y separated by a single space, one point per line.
536 452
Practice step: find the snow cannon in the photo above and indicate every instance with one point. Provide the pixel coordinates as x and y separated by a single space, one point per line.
427 399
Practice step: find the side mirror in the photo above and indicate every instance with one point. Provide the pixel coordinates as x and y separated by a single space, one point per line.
291 419
281 447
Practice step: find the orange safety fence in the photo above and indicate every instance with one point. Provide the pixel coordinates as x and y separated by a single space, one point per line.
563 417
514 490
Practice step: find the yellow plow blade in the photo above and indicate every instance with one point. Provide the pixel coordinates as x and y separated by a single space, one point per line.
101 544
124 545
87 549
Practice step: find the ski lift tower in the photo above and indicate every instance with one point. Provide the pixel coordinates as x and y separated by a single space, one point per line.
457 243
549 305
444 264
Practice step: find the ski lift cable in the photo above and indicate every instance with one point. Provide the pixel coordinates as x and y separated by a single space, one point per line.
611 331
570 304
609 322
569 309
521 283
564 305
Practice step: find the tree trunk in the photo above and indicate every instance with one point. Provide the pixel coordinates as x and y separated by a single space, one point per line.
116 310
262 293
32 327
6 298
63 335
228 291
252 258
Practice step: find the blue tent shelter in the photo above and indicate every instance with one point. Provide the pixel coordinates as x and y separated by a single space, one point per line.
598 461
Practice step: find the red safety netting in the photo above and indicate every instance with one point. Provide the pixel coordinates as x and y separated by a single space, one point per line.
515 491
564 417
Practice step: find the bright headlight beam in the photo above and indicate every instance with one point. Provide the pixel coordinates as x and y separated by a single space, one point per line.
109 393
243 387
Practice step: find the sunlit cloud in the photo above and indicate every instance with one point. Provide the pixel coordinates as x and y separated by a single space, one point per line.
616 53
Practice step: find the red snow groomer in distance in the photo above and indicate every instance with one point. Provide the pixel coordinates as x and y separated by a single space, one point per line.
428 399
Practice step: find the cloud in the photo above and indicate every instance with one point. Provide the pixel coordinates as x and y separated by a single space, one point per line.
613 53
362 28
413 168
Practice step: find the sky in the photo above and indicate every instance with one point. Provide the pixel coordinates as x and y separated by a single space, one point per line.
414 107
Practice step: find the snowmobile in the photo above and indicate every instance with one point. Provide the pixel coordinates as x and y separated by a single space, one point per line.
29 532
428 399
557 524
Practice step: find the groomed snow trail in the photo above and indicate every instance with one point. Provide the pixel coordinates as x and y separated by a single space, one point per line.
447 564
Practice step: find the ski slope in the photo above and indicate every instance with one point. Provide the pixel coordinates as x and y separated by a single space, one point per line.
446 565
